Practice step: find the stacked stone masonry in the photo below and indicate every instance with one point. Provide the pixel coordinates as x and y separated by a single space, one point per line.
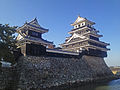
45 72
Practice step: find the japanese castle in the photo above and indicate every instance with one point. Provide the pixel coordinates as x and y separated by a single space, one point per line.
84 37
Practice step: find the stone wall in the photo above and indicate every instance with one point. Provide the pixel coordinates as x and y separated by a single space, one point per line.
8 78
46 72
98 66
42 72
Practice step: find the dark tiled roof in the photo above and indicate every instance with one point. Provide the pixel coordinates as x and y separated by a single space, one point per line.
38 39
37 27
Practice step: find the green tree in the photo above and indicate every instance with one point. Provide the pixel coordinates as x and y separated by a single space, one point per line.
7 43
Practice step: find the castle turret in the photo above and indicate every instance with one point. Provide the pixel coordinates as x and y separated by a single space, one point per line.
31 33
84 37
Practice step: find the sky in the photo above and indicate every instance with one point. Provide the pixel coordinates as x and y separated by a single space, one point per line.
57 15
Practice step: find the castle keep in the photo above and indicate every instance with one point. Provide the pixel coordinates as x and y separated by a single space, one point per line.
85 37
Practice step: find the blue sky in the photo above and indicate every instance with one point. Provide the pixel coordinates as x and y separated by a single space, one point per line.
57 15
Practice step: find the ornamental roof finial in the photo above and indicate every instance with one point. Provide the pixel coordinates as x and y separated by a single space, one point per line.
78 15
25 22
35 19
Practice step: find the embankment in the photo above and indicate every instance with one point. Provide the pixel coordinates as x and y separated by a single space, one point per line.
34 72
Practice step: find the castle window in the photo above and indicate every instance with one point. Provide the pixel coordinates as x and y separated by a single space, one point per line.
34 33
88 25
82 24
87 30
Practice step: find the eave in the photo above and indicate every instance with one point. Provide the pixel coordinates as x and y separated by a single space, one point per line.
100 42
28 27
84 20
78 29
38 41
87 46
93 34
73 42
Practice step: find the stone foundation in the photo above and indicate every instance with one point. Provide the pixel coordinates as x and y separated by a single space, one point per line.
98 66
46 72
8 79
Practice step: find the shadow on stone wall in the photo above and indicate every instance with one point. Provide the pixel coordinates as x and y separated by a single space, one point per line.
8 78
